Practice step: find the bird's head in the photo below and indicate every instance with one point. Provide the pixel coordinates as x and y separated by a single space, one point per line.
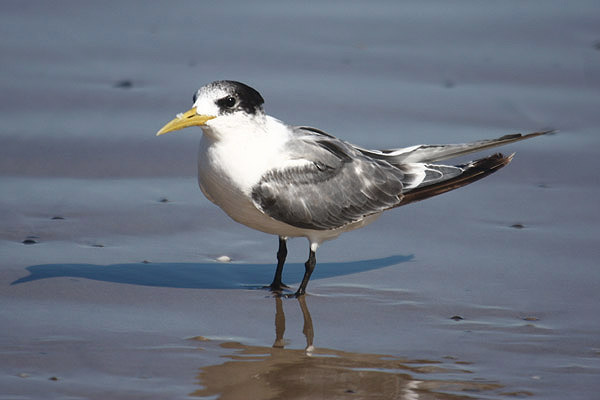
217 106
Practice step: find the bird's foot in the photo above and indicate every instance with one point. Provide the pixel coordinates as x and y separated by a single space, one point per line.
299 293
277 287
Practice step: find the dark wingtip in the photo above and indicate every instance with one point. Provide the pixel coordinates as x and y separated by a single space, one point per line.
474 171
515 137
534 134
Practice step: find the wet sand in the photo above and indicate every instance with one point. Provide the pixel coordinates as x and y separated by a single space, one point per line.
109 282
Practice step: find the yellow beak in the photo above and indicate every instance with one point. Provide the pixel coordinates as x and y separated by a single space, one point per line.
188 118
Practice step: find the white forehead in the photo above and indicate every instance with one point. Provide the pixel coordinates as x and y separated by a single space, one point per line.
206 98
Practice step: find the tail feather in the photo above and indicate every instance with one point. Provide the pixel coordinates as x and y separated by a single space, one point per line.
473 171
429 153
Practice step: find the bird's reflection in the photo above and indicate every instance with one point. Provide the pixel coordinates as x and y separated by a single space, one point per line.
264 373
307 328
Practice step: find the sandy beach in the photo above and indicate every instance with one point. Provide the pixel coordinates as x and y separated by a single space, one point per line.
110 282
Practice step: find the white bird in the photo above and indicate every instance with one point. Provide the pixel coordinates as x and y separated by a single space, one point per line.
297 181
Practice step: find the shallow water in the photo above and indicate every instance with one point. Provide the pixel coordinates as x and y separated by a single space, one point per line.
491 291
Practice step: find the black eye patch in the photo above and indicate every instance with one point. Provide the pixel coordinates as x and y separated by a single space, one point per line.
227 102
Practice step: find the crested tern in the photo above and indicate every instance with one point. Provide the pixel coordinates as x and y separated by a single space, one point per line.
298 181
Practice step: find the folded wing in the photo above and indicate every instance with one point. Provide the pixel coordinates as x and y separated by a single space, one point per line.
329 183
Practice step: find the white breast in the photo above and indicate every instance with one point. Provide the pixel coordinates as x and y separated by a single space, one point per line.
228 168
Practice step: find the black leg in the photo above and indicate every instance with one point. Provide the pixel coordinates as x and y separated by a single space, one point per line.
277 285
309 268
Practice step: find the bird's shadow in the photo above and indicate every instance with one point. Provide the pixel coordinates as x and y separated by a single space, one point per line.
201 275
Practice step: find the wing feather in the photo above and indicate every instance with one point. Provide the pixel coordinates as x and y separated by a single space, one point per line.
336 186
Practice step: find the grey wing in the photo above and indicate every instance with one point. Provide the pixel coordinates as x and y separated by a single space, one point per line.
334 186
339 183
438 152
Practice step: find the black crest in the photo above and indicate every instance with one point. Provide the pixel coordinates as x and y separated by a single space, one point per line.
239 97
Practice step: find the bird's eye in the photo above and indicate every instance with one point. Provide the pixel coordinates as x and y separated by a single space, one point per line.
227 102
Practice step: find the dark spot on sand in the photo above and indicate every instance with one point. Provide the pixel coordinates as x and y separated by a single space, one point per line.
145 262
53 378
457 318
597 45
29 241
517 226
522 393
124 84
350 391
449 83
531 318
97 245
58 217
164 200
